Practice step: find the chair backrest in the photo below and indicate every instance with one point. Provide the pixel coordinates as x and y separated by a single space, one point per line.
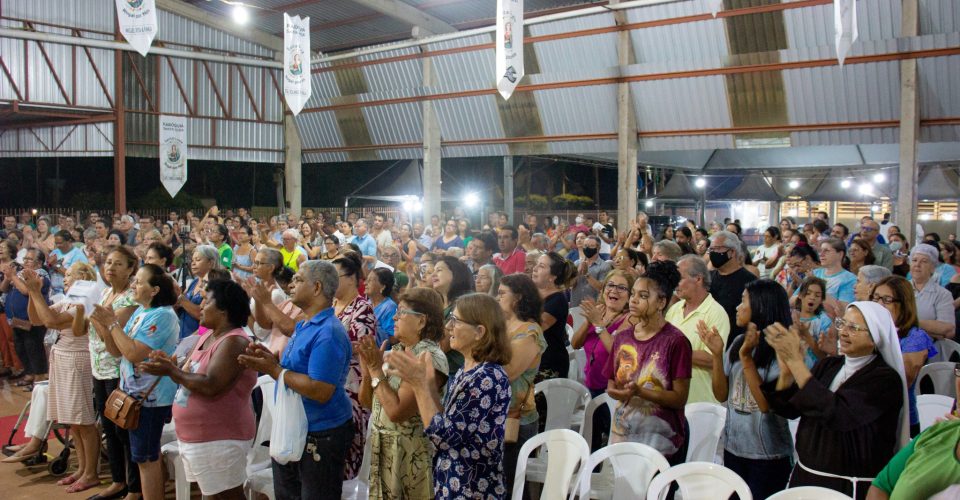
566 451
633 464
706 425
947 350
577 314
578 360
931 407
941 374
808 493
586 427
563 397
364 473
700 481
259 455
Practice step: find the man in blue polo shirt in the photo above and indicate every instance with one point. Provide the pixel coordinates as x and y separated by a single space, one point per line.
315 365
367 244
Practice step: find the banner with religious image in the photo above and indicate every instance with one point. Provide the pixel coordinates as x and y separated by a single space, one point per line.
296 62
509 45
173 153
845 26
138 23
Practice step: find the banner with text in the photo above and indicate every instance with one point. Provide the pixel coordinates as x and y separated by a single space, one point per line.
296 61
509 45
138 23
173 153
845 26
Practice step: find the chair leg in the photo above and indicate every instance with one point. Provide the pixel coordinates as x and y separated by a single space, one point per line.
182 485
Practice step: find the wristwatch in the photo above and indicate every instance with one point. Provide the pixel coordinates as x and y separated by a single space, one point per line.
374 382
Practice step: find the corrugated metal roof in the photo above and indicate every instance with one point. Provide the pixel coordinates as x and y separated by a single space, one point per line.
469 118
319 130
848 137
86 14
704 103
940 81
396 124
854 93
588 110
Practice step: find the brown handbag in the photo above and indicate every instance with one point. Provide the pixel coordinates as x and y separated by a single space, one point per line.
124 410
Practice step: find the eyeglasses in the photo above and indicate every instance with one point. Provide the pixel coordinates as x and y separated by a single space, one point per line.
868 229
884 299
618 288
404 312
452 322
842 324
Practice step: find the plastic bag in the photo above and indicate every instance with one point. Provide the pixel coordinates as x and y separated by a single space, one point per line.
288 435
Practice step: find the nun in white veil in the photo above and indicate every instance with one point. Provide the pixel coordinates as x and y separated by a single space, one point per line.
853 408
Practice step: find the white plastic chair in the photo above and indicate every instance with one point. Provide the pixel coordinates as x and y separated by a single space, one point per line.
565 451
700 481
808 493
577 314
631 467
586 427
706 425
570 331
564 397
578 360
931 407
174 463
260 482
946 348
941 374
358 488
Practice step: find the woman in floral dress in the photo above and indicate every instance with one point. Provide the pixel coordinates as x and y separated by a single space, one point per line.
356 313
467 429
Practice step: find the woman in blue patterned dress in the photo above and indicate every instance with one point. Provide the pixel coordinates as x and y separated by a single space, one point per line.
467 428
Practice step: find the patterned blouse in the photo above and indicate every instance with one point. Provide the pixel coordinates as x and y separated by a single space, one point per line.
359 321
105 366
468 435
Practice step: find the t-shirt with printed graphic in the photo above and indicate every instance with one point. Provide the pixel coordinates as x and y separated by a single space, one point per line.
103 365
652 364
159 329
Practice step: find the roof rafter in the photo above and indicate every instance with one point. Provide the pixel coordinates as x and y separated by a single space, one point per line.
220 23
409 14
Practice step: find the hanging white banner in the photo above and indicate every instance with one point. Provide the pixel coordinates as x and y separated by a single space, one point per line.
173 153
296 61
509 45
138 23
844 26
715 6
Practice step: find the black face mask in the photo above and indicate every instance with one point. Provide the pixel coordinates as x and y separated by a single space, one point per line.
589 252
719 259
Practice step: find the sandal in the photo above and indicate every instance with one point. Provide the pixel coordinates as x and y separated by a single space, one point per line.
20 457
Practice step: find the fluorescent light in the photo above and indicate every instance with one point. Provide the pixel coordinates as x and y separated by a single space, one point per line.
700 182
845 184
879 177
866 189
649 203
794 184
241 15
924 216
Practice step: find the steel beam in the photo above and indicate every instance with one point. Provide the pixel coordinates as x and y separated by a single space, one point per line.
408 14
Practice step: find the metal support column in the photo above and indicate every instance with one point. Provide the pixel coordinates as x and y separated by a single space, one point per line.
627 140
292 171
909 130
432 152
119 131
508 188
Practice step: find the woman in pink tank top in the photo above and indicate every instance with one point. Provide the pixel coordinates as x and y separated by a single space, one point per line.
212 409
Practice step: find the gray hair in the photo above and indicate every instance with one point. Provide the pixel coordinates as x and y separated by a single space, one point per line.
730 241
495 275
668 248
209 252
455 252
873 274
323 272
539 238
272 256
126 218
89 234
698 268
290 233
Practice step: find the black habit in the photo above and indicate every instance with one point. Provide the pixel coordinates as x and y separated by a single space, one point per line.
851 432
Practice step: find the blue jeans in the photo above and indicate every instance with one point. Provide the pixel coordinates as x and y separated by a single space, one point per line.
319 473
145 439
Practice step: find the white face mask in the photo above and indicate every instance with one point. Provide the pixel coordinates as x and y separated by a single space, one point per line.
895 246
579 220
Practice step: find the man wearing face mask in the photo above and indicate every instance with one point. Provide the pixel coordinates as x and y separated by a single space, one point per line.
729 277
578 225
591 270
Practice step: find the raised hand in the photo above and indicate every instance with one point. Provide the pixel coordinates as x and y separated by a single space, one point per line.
593 312
621 393
103 315
828 341
785 342
416 371
750 340
32 280
711 337
371 355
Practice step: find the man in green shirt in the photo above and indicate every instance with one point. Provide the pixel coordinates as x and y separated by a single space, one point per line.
923 468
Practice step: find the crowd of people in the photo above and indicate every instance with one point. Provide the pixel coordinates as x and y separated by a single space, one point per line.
434 335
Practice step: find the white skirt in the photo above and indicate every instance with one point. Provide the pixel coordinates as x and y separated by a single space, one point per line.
215 466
